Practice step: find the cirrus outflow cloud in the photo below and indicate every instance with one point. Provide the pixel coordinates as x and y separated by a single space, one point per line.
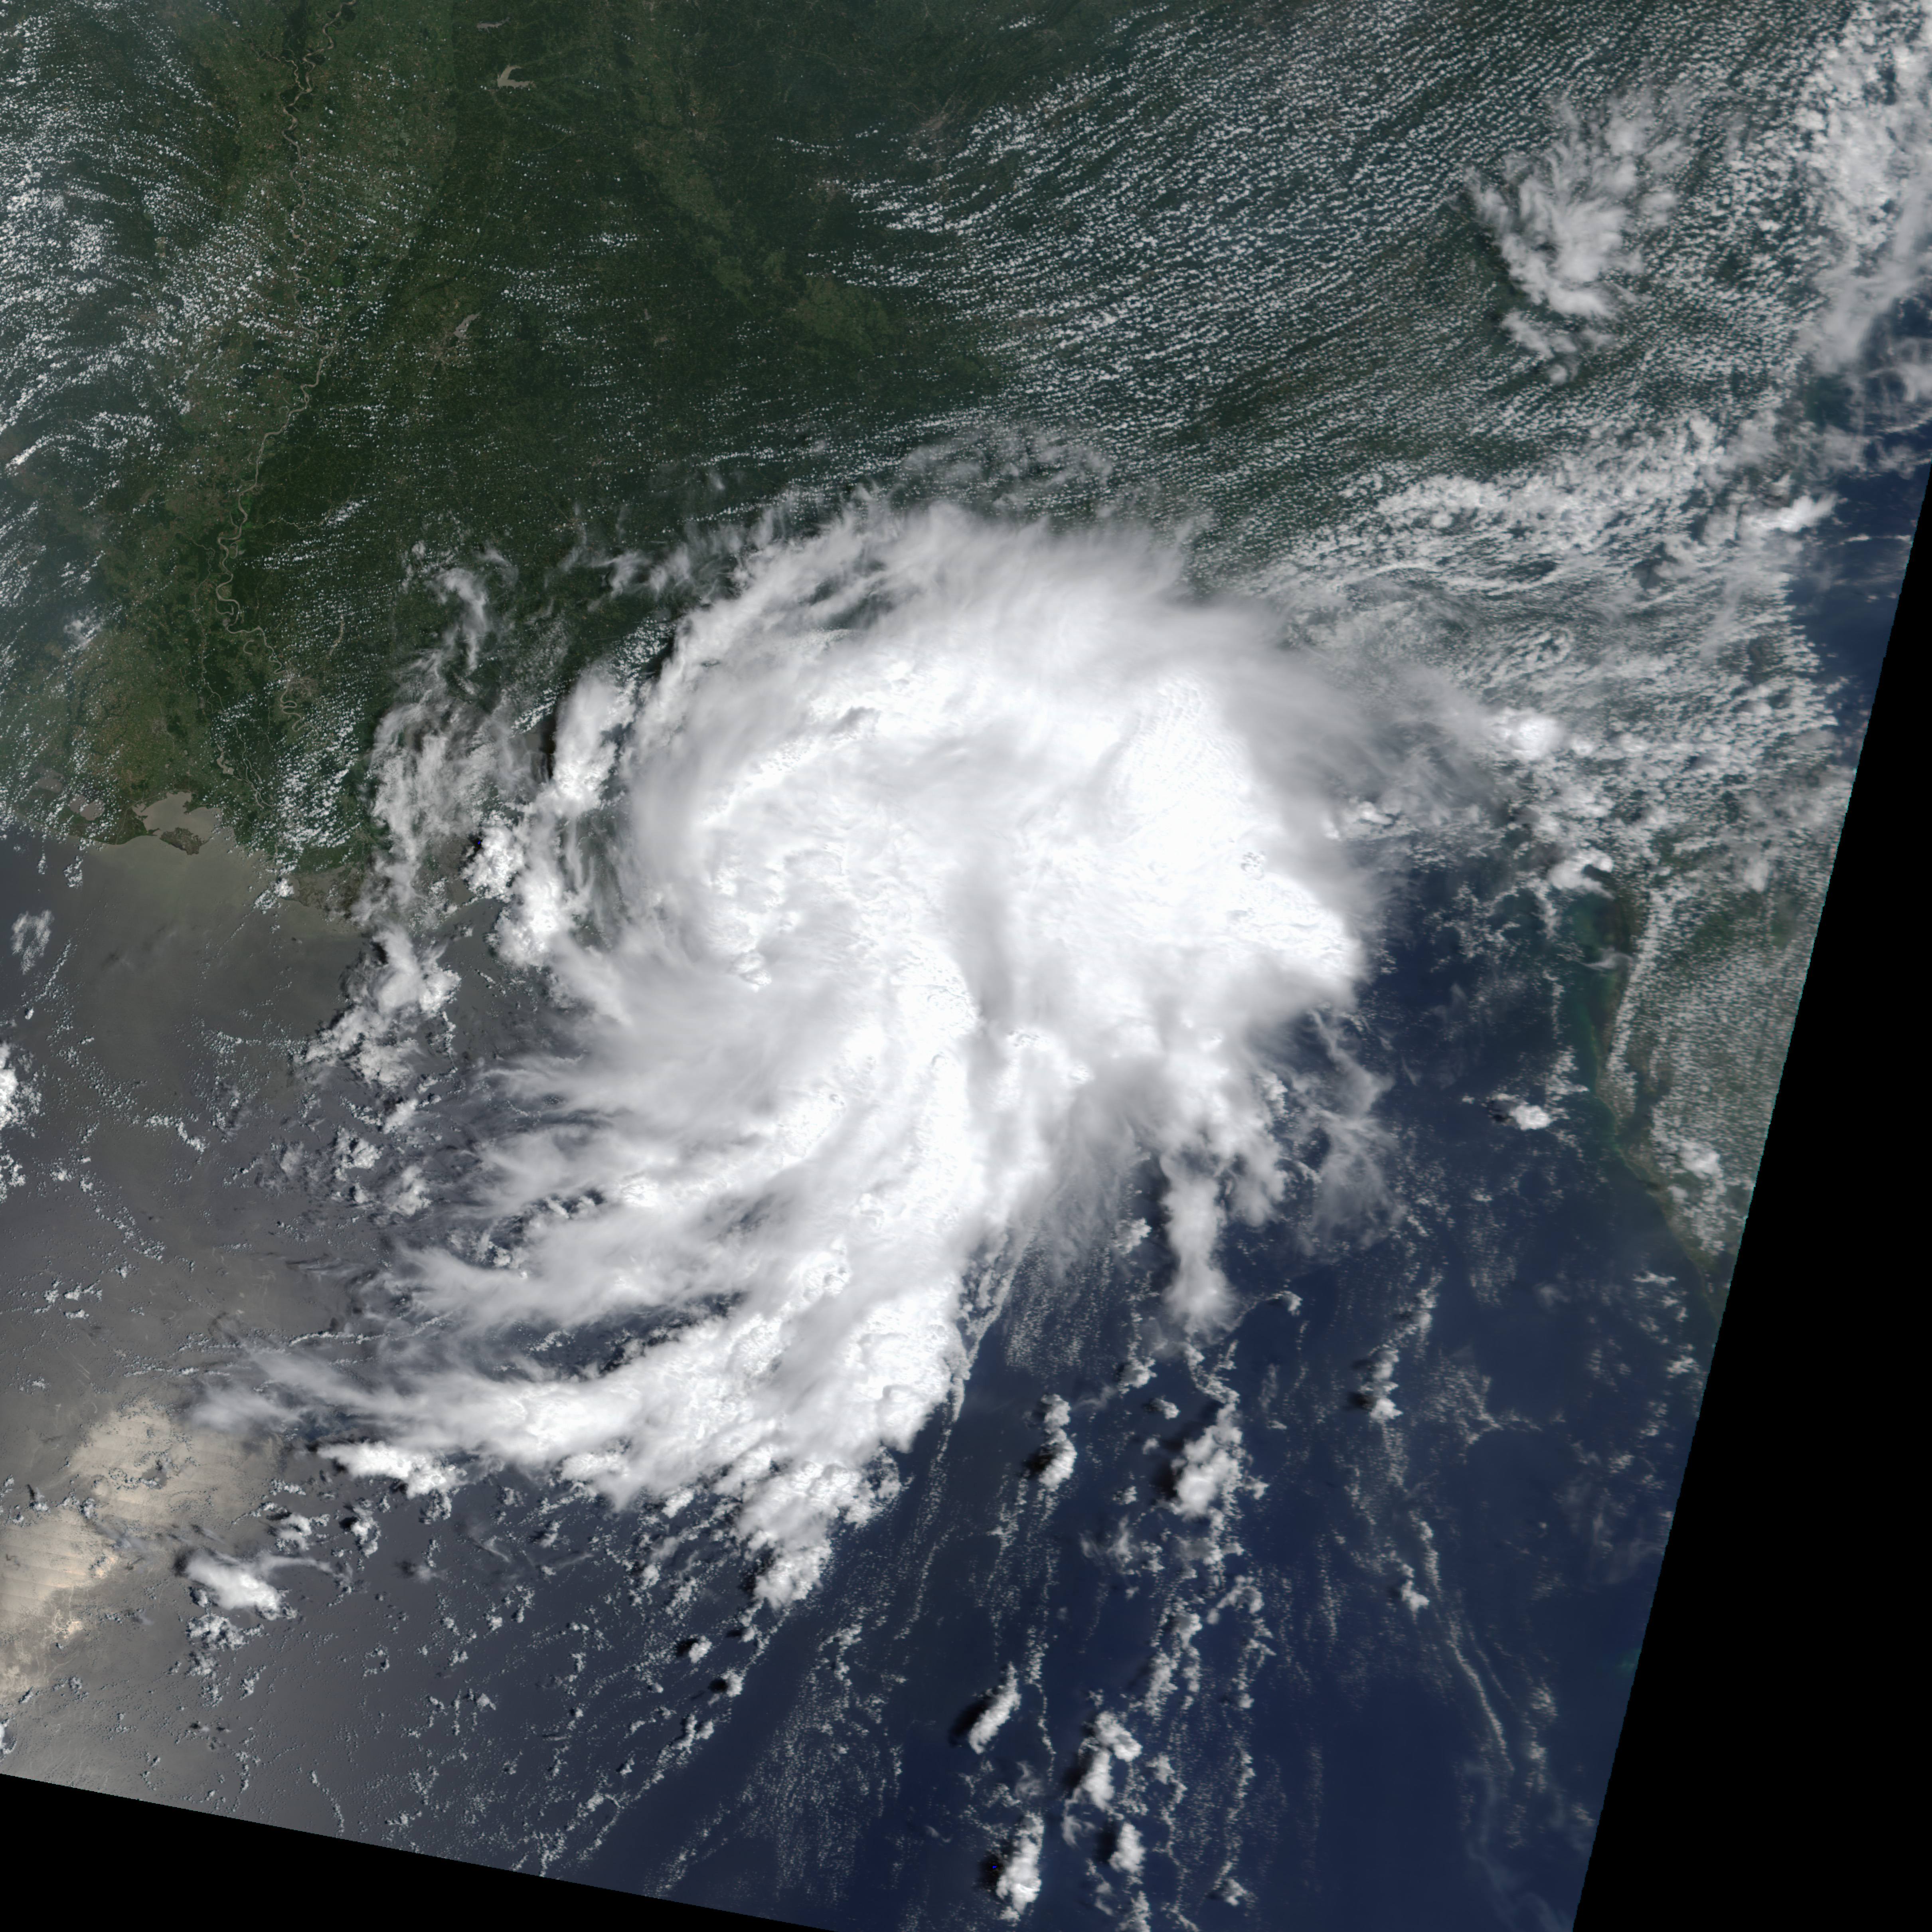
945 876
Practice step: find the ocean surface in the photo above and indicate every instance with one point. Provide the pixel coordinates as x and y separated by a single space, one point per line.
900 912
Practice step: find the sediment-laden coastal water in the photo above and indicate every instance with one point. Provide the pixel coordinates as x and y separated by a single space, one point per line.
900 910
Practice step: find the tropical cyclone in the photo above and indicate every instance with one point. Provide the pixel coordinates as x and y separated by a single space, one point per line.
947 872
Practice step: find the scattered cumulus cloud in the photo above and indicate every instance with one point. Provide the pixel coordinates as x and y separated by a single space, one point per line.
1864 120
1567 222
419 1475
1054 1462
1128 1854
1208 1469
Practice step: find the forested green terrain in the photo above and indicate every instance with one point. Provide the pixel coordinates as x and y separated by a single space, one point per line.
392 273
379 354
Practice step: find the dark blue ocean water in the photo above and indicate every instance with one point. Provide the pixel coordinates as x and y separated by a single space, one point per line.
1341 1753
1442 1765
1338 1752
1332 1748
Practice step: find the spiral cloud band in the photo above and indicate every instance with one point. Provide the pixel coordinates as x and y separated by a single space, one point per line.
942 879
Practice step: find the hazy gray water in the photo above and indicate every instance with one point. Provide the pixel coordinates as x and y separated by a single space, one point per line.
1544 441
153 1002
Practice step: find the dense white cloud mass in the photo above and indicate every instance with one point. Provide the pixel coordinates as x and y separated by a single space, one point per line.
18 1101
946 873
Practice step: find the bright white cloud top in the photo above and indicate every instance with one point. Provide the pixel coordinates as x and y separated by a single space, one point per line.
945 876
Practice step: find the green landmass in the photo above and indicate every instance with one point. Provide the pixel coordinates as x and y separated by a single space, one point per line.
543 282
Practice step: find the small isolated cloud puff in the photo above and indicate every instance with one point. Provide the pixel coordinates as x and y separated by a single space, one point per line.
232 1586
28 940
947 872
1004 1703
1017 1884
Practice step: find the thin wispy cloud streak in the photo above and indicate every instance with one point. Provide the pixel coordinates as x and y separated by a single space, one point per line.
947 876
